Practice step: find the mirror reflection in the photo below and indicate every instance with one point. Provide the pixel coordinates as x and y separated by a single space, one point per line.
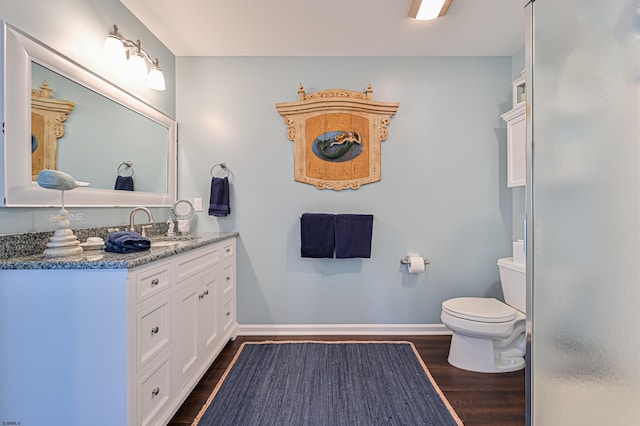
100 140
106 127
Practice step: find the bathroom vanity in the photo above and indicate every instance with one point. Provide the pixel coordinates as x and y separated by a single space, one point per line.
113 339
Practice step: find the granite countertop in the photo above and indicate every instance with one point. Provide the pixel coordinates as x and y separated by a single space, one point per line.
100 259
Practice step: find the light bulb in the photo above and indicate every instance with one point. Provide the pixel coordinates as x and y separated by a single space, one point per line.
113 50
137 66
155 80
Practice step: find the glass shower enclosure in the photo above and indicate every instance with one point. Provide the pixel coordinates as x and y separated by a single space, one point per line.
583 212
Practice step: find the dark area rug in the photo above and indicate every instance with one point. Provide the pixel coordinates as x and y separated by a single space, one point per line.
327 383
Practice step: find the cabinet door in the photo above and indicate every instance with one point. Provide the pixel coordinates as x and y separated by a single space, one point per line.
185 350
516 150
195 324
207 309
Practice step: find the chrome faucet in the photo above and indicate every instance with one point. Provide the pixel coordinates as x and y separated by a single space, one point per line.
133 214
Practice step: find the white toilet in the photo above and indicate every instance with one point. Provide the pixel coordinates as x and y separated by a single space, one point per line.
488 335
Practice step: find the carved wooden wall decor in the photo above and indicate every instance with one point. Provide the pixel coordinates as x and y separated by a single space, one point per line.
337 136
47 126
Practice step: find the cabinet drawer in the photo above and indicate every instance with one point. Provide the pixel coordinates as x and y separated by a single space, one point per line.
228 249
153 393
153 331
228 280
196 261
229 313
152 281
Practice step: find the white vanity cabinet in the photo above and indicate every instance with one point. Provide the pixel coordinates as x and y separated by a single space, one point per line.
179 328
516 145
113 346
204 307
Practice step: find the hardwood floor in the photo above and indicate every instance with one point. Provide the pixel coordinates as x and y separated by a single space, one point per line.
478 399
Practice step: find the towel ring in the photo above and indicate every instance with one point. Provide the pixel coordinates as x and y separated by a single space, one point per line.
224 167
128 164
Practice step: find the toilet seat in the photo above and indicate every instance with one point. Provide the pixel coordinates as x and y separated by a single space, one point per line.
479 309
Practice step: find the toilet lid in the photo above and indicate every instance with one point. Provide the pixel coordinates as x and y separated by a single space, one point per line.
480 309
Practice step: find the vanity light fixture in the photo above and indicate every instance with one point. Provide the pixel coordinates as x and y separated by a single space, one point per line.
428 9
119 50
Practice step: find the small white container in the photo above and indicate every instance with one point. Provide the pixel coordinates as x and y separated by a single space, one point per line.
518 252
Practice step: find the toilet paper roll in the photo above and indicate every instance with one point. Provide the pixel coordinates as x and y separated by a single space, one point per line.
416 264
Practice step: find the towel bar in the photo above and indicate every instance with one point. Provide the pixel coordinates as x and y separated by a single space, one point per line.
405 260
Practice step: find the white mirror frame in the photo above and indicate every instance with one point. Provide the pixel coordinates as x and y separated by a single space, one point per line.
16 186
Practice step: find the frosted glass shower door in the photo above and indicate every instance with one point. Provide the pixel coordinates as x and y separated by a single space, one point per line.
584 246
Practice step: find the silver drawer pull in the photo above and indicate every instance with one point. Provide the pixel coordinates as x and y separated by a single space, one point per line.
155 392
154 282
155 330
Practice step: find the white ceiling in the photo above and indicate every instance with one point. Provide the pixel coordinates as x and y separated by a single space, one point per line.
331 27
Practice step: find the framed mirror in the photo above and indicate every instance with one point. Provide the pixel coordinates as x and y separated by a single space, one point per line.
108 127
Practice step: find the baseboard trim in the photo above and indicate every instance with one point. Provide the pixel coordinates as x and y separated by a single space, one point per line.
341 329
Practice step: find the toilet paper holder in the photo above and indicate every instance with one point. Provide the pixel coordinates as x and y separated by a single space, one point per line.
406 260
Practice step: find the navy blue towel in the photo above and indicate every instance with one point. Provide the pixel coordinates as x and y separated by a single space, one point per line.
219 199
124 183
317 232
353 235
126 242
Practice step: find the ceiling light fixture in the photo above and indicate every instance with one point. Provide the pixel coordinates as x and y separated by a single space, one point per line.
119 50
428 9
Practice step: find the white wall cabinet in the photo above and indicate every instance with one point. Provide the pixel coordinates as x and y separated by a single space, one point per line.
113 346
516 145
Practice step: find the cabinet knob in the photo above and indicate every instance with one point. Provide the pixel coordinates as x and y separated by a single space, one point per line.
228 278
155 330
228 314
154 282
155 392
228 250
201 295
206 292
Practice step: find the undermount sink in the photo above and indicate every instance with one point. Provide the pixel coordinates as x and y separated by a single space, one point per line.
171 241
164 243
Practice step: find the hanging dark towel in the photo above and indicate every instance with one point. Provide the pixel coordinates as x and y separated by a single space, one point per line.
353 235
317 231
124 183
219 200
126 242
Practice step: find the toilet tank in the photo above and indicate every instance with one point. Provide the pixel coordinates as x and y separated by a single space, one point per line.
514 283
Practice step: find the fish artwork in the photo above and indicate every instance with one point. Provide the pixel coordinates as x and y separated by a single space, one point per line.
334 147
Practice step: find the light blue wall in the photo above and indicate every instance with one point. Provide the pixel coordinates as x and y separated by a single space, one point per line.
443 191
77 29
